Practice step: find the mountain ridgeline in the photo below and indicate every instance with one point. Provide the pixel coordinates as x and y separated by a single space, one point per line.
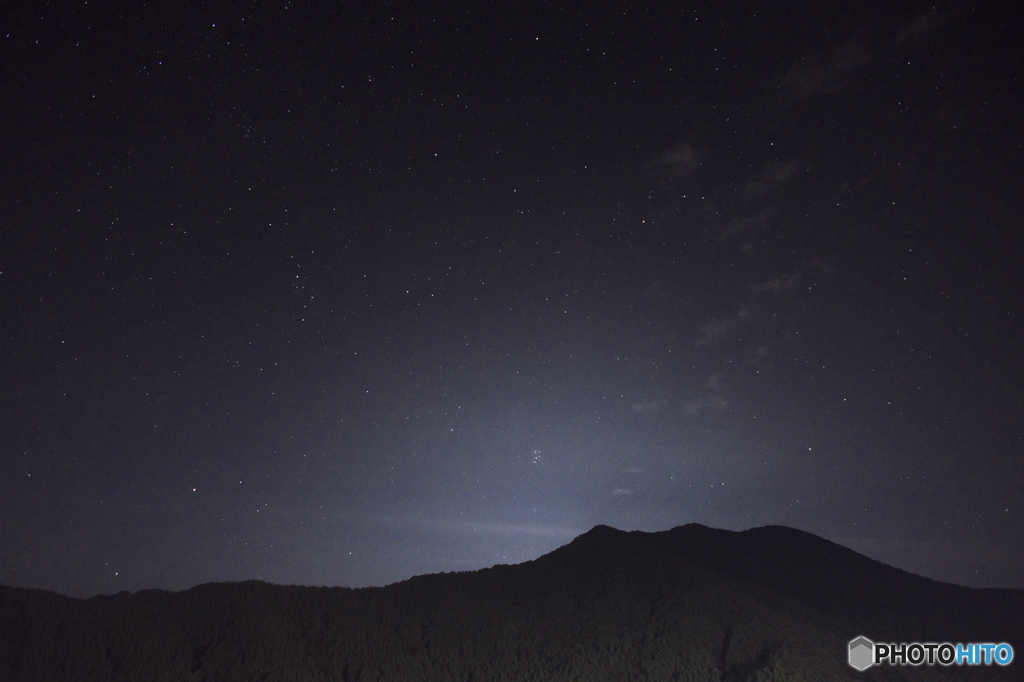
691 603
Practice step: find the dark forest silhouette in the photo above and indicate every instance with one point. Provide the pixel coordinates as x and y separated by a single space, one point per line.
692 603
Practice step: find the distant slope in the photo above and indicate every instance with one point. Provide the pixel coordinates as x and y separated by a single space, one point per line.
891 603
691 603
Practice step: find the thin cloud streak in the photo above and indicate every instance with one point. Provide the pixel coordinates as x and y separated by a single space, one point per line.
488 528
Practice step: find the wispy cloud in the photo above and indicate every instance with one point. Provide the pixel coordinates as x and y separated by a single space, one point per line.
850 55
776 285
744 224
816 73
470 527
771 178
649 406
703 405
718 330
922 26
514 529
677 162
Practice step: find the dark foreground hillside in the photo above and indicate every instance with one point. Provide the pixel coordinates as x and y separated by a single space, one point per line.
691 603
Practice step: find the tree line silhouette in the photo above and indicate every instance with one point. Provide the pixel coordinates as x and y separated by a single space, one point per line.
688 604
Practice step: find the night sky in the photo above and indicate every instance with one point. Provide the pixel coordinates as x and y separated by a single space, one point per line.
338 294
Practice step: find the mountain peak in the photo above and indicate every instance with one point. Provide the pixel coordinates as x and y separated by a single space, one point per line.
694 601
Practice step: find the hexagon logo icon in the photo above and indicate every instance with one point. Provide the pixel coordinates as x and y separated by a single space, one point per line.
862 653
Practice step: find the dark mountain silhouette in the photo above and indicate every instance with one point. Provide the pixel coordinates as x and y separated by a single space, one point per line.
691 603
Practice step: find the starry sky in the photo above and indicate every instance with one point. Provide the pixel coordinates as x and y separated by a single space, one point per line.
338 294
